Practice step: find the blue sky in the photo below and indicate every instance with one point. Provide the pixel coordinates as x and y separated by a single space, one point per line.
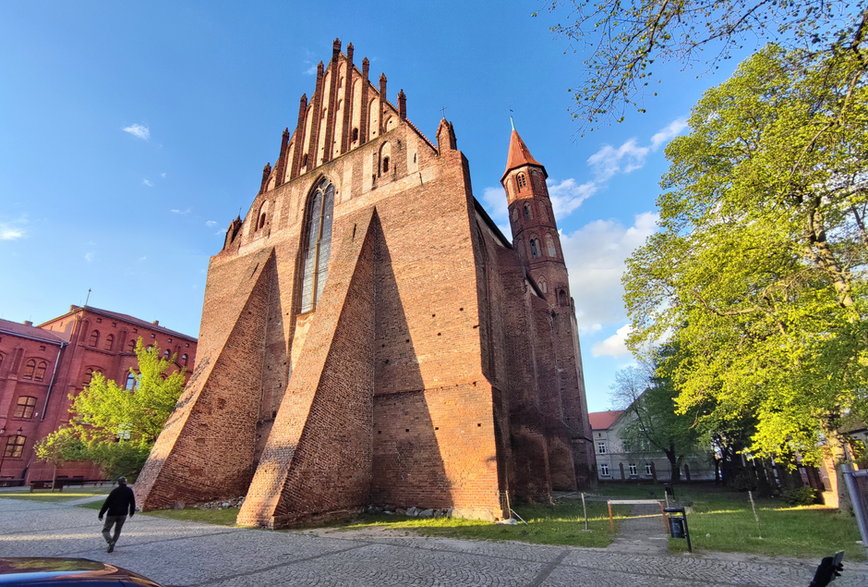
132 133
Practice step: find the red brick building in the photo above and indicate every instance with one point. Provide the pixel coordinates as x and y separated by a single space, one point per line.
370 337
40 366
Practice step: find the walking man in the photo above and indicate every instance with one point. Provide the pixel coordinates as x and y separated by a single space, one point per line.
120 501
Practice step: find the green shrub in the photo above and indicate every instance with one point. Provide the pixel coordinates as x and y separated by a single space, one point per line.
800 496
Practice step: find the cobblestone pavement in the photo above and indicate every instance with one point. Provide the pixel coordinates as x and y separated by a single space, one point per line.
198 555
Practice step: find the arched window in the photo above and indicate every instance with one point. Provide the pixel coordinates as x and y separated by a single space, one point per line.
29 369
514 214
94 338
550 246
25 406
132 346
130 383
88 375
543 286
109 342
562 298
39 374
355 135
14 446
385 164
184 359
534 248
317 243
166 354
528 212
521 181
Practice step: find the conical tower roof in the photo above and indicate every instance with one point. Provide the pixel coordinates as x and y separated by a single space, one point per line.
519 155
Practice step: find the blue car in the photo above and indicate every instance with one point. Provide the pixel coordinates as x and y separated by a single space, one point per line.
63 572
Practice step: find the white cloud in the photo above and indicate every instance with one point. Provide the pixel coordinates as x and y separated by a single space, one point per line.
10 233
89 256
147 182
311 70
178 211
615 345
210 223
567 195
595 257
609 161
667 134
494 199
163 175
139 131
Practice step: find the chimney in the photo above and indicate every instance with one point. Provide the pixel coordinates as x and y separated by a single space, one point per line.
156 322
28 323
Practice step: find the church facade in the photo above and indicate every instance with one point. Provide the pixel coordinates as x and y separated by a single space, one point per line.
369 336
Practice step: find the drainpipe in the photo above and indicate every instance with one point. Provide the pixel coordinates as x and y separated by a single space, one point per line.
53 380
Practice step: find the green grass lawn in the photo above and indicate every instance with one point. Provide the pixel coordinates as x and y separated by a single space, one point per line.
560 524
51 496
722 520
225 517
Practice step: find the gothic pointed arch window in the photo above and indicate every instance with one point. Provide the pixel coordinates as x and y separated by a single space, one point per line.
534 248
109 342
94 338
551 251
528 211
543 285
316 243
521 181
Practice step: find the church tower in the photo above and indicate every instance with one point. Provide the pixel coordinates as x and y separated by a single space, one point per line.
534 230
536 241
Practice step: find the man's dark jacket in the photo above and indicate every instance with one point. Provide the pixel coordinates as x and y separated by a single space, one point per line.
119 502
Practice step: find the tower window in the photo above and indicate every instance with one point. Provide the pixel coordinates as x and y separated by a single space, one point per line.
385 164
562 298
317 244
521 180
528 212
534 248
25 406
550 246
355 134
543 285
262 220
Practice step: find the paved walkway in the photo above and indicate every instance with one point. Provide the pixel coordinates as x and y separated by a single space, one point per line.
197 555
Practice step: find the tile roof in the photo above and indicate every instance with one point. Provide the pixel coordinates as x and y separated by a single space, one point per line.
34 332
604 420
519 155
125 318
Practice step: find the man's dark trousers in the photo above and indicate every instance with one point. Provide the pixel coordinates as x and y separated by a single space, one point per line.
118 523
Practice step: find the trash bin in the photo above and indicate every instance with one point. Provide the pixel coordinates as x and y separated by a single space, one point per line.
676 527
678 524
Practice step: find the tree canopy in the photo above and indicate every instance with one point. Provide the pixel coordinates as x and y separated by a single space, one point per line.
758 274
116 427
630 39
654 425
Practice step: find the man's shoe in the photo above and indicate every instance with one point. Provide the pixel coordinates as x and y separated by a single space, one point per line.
111 547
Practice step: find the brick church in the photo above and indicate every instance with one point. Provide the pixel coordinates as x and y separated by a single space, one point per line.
370 337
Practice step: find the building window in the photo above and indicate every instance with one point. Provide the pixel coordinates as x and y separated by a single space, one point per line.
39 374
562 298
109 342
521 181
29 369
543 285
633 470
528 212
184 359
604 470
130 383
648 470
601 448
88 375
94 338
385 164
132 346
550 246
317 244
25 407
14 446
534 248
355 134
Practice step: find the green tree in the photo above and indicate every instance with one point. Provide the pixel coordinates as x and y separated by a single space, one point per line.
654 425
59 447
629 39
117 427
758 274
